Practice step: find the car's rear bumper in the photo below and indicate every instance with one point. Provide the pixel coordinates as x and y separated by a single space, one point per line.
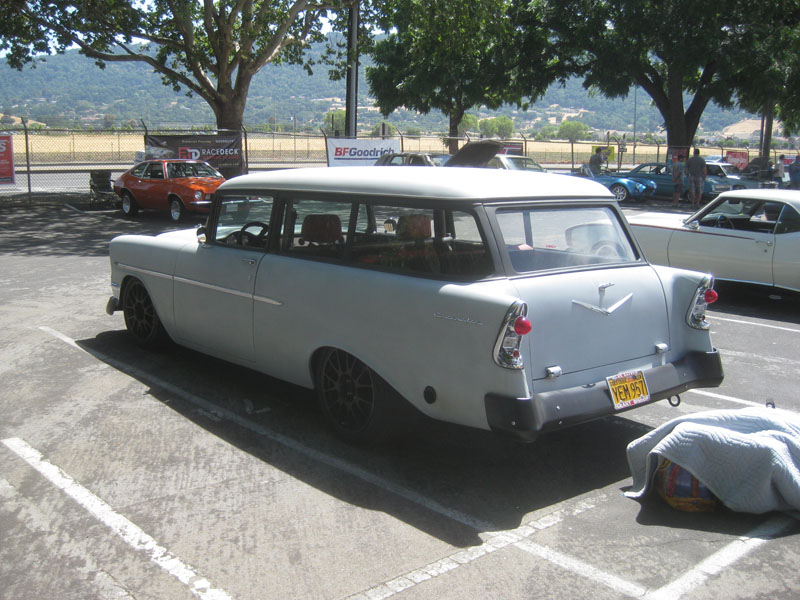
526 418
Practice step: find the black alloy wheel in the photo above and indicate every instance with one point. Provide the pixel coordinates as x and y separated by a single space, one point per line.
141 319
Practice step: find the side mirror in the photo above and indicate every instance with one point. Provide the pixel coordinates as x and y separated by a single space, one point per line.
201 234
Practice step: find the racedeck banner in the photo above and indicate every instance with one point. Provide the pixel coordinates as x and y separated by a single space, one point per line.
349 152
223 151
6 159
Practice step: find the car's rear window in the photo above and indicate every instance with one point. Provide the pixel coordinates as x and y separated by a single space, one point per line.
538 239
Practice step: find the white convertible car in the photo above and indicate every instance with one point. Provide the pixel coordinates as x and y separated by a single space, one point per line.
512 301
750 235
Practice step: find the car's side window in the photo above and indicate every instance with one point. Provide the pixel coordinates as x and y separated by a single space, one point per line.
155 171
243 221
138 171
315 228
789 221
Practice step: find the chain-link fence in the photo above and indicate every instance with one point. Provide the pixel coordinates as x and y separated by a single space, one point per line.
51 162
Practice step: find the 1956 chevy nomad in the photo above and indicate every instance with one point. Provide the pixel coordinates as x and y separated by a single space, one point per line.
512 301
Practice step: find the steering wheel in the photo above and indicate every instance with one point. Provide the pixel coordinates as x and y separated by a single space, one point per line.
251 239
724 221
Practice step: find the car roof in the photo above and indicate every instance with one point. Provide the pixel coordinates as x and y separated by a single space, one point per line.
423 182
791 197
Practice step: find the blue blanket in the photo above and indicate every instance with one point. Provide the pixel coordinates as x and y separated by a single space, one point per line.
749 458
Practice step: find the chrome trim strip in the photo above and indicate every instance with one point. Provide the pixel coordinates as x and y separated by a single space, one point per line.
143 271
267 300
215 288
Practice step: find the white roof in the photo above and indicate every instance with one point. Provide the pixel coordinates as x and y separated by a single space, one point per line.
789 196
422 182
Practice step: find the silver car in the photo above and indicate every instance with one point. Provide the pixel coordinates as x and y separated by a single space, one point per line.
510 301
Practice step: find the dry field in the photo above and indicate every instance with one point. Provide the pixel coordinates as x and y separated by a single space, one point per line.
121 147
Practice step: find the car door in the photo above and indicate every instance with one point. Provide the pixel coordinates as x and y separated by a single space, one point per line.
786 257
150 188
215 280
743 252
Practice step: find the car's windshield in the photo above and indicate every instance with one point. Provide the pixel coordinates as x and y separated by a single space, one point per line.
177 170
556 238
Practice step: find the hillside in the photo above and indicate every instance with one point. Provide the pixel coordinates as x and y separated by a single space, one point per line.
70 89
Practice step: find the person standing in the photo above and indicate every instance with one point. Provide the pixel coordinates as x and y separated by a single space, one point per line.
596 161
696 166
779 171
794 173
677 179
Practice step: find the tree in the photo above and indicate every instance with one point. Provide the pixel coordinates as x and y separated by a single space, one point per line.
573 131
669 48
211 48
447 55
468 123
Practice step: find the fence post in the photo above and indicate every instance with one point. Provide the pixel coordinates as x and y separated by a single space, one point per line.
28 161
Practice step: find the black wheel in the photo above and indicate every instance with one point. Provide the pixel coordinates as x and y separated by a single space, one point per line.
176 210
141 319
620 191
354 400
129 206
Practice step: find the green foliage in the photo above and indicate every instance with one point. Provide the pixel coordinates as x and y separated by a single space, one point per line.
668 48
573 131
211 49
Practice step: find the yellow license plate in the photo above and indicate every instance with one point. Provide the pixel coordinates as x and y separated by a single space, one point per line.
628 389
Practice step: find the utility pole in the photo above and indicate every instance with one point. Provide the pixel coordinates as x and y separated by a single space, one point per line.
351 100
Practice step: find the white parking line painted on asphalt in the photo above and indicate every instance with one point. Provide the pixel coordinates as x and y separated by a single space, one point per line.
127 530
713 318
726 398
723 558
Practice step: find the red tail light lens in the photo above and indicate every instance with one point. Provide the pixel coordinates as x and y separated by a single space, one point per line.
711 296
522 326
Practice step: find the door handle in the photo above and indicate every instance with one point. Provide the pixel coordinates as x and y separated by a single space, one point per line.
249 261
768 242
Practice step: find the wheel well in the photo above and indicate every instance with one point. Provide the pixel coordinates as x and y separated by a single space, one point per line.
172 197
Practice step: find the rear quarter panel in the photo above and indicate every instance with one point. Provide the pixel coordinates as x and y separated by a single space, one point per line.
414 332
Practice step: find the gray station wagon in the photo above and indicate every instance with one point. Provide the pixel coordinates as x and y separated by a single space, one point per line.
511 301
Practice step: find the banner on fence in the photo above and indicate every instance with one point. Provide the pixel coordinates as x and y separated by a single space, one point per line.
6 159
740 158
223 151
349 152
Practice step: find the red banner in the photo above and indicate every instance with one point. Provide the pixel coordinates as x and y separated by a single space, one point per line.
6 159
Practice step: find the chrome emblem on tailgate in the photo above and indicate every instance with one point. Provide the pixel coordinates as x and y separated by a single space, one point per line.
604 311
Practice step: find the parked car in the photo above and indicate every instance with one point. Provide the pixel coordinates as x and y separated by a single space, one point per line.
180 186
744 235
510 301
514 162
732 175
420 159
661 174
624 189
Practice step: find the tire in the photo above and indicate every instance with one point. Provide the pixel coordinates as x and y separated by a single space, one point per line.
176 209
621 192
357 404
141 319
129 206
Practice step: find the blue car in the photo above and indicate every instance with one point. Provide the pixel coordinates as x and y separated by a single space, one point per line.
623 188
661 174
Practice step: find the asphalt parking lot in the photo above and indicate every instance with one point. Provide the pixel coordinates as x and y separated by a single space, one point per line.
170 475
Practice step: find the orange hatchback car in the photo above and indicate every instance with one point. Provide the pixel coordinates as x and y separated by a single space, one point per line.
179 186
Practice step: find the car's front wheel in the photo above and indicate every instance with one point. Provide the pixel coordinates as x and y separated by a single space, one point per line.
620 191
141 319
356 402
129 206
176 209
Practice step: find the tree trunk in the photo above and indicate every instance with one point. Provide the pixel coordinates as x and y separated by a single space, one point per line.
766 145
456 115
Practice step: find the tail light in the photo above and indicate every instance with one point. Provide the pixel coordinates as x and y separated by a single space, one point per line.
514 327
705 295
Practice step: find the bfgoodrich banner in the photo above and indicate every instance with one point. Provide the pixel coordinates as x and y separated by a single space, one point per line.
348 152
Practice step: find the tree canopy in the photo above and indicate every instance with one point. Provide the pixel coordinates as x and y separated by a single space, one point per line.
449 55
211 48
675 50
